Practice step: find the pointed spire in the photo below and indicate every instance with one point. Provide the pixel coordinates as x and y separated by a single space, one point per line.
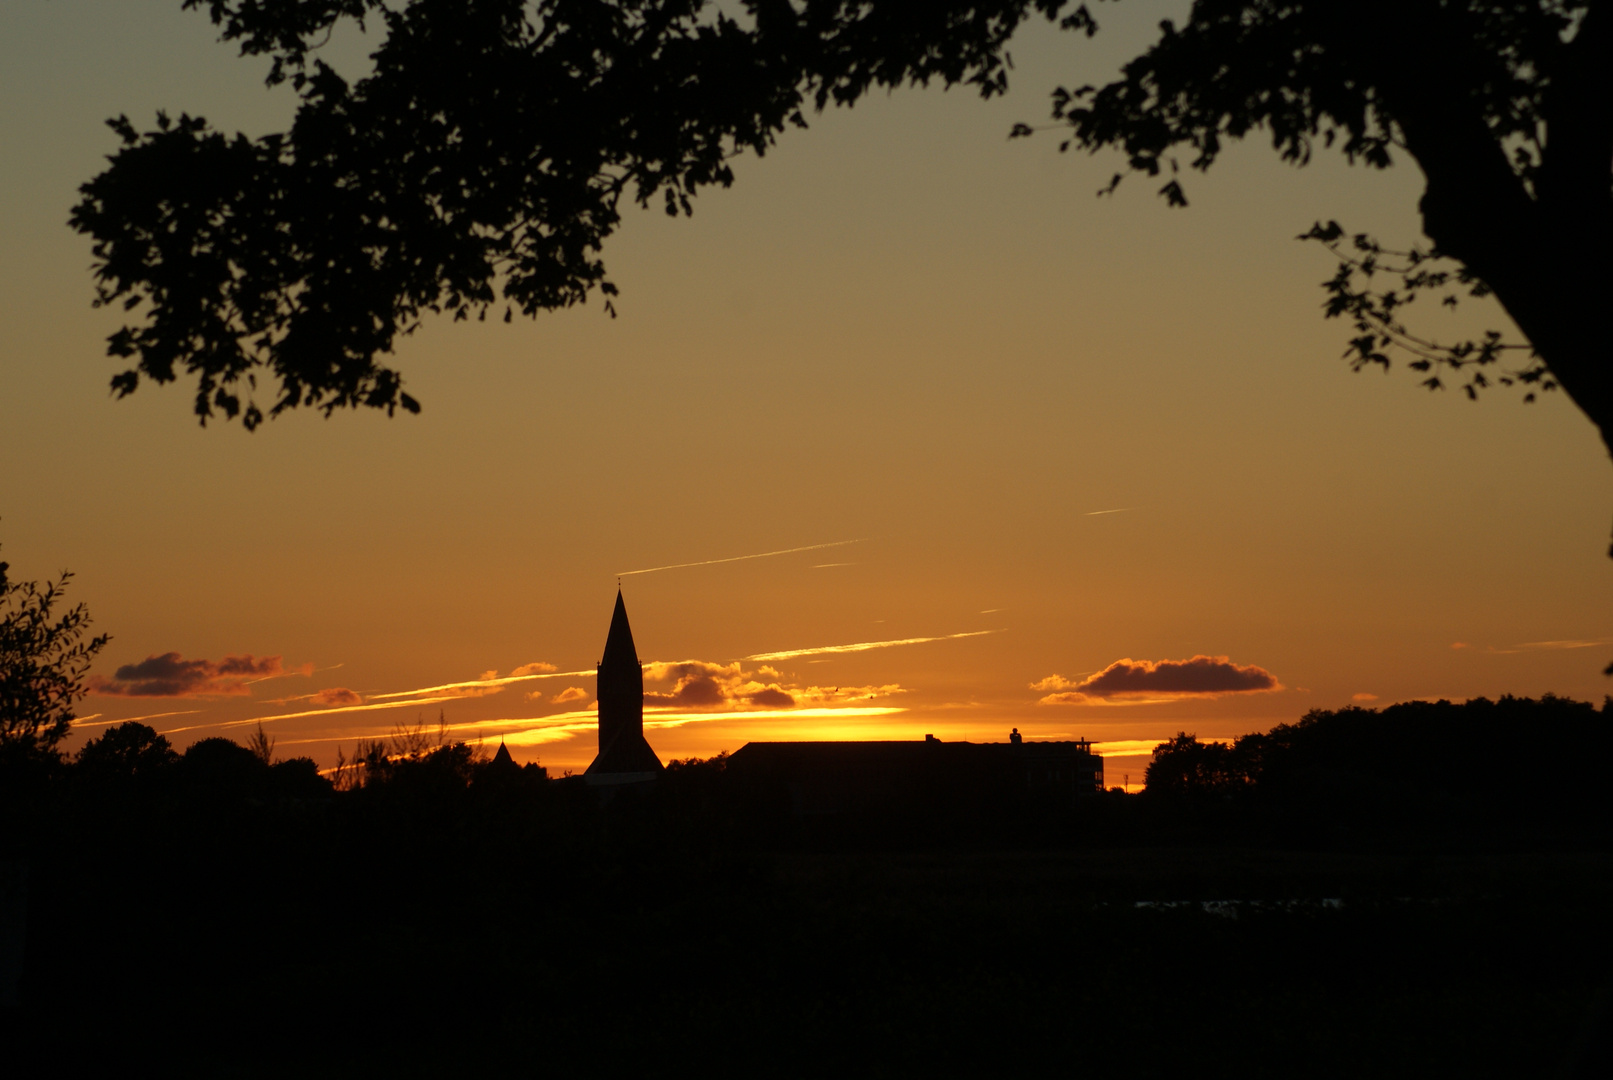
503 758
619 642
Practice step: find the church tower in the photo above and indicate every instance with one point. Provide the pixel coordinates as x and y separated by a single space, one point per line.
623 756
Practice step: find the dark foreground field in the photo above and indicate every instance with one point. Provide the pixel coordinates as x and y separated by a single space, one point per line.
449 919
420 955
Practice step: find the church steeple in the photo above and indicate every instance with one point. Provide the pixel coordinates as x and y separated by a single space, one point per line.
619 642
620 693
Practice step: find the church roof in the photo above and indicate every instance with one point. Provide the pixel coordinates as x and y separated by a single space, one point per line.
629 752
503 758
619 642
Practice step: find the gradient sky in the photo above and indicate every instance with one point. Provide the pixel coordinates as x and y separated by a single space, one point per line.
1063 431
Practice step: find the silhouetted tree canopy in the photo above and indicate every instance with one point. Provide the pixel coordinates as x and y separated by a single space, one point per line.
43 659
483 161
1185 767
130 750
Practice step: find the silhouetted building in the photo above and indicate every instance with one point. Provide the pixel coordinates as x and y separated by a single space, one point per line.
624 757
827 777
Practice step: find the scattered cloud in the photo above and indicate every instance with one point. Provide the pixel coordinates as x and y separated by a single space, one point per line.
337 695
697 684
700 684
534 695
170 675
863 646
571 693
742 558
1138 682
535 668
1363 697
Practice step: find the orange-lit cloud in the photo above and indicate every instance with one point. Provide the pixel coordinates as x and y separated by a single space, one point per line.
336 695
1138 747
1128 747
699 684
170 675
863 646
1057 682
571 693
741 558
1363 697
558 727
537 668
472 691
1139 681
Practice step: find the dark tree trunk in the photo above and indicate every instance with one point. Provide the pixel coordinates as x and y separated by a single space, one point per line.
1545 246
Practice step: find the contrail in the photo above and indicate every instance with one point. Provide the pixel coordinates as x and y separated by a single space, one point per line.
742 558
85 720
1122 510
1563 644
863 646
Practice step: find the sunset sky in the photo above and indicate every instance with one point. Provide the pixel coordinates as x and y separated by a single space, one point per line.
908 387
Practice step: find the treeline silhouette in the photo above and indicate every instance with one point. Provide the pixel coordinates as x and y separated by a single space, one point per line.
1392 898
1516 770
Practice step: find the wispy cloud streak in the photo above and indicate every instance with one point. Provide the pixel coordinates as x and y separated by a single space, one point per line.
1121 510
474 683
864 646
316 712
742 558
678 719
536 730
